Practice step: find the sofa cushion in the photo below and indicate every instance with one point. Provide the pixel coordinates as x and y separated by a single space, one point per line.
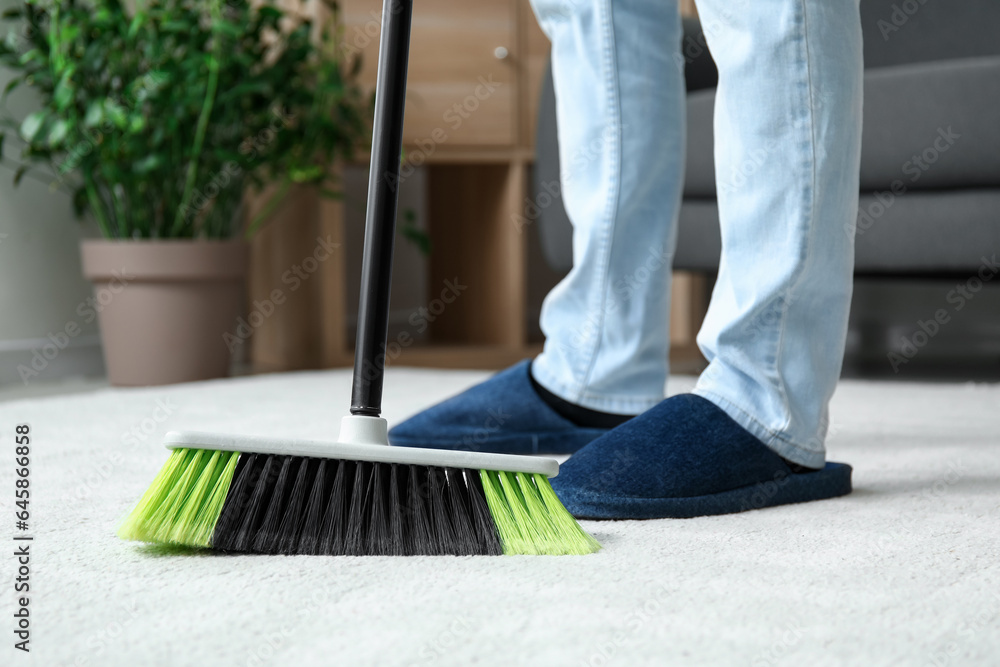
932 125
929 126
947 231
911 31
699 170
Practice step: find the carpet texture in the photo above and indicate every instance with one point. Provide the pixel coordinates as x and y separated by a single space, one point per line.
905 571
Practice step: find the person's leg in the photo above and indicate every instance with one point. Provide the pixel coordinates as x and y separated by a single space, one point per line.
788 128
620 110
619 88
787 153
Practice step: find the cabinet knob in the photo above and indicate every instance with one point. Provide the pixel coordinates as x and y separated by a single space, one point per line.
501 53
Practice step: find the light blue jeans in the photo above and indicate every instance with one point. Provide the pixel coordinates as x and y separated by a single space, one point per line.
787 154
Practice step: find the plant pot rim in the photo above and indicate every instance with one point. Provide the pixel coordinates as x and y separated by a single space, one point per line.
168 260
236 240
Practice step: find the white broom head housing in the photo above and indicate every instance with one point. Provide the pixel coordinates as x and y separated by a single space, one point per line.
361 439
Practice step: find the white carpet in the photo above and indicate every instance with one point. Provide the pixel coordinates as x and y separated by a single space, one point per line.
902 572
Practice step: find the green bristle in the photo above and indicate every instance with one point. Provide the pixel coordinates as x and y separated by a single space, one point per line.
527 523
162 518
510 536
136 524
183 503
572 536
195 522
549 543
530 518
172 530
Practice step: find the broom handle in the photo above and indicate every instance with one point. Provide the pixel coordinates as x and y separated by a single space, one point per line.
380 221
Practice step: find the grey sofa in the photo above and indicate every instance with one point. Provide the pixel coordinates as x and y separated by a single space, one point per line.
934 71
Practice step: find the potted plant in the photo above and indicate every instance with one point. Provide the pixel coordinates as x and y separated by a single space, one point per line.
158 116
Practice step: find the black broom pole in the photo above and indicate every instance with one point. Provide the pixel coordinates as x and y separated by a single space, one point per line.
380 221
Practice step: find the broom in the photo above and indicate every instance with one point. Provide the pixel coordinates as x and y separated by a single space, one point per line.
357 496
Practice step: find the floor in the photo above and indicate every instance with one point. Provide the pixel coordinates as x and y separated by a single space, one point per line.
905 571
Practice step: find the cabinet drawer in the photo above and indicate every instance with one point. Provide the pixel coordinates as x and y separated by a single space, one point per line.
459 92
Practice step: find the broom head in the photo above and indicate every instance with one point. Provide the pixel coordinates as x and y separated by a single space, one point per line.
357 497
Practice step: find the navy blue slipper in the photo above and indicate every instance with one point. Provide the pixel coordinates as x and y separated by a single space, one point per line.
684 458
503 415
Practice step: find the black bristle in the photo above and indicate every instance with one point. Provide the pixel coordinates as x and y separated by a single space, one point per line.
444 535
397 536
359 515
299 505
313 520
482 519
265 540
294 516
257 503
415 514
379 536
245 476
332 531
404 511
456 499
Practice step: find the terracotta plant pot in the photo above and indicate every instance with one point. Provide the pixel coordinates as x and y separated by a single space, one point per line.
163 306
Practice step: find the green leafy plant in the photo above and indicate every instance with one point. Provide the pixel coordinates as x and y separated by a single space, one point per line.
159 114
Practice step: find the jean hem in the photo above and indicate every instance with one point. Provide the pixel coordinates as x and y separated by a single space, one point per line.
779 443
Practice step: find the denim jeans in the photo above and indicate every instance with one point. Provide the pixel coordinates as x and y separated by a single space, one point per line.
787 154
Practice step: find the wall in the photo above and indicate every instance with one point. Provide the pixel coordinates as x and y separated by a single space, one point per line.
40 283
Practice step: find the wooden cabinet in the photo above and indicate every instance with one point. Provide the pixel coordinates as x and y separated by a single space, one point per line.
474 71
462 83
